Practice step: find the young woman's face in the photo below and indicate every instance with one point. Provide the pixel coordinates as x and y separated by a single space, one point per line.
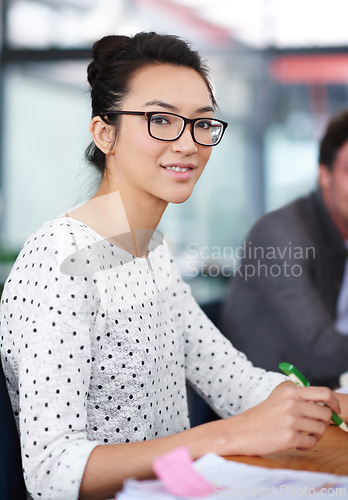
142 166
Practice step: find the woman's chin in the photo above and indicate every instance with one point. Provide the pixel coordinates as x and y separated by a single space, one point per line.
179 199
180 196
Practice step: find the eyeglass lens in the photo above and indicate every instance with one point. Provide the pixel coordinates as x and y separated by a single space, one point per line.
206 131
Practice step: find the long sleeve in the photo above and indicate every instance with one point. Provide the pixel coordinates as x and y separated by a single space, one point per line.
47 320
221 374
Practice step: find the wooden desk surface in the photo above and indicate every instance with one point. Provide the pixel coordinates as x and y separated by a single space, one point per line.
329 455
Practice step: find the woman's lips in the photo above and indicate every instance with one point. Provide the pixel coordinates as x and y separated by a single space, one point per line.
180 171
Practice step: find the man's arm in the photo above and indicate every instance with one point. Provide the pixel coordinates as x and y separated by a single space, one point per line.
274 310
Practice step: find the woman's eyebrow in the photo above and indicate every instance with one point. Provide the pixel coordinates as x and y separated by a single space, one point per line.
206 109
162 104
166 105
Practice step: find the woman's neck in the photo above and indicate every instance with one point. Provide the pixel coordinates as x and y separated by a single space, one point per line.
127 221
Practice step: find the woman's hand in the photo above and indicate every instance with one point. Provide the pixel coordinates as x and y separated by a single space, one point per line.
343 402
288 418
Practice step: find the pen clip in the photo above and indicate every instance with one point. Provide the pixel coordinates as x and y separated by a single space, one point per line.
294 374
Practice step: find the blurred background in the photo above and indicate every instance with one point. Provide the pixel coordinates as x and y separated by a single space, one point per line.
280 70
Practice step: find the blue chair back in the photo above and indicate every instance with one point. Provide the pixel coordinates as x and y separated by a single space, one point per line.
11 476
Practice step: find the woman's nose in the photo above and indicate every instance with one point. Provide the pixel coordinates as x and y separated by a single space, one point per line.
185 142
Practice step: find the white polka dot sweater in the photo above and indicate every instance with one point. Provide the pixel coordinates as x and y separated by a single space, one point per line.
96 345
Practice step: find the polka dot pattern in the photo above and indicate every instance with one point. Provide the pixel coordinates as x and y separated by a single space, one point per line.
96 346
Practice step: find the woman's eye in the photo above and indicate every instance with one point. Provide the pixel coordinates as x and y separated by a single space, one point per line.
205 124
160 120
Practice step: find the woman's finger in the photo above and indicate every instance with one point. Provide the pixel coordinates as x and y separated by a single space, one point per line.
320 395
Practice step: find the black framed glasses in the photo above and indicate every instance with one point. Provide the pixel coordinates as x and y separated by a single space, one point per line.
170 126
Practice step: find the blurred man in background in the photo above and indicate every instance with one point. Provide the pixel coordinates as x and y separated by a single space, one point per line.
289 298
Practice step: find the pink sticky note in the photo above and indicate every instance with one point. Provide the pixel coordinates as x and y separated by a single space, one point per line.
179 476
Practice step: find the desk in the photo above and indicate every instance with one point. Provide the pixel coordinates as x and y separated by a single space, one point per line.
329 455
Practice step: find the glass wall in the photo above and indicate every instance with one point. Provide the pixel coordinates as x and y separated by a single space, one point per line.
300 115
46 130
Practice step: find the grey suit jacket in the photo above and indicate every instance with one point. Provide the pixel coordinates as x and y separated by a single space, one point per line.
282 301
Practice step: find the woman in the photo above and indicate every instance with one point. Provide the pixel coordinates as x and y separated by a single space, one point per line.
99 332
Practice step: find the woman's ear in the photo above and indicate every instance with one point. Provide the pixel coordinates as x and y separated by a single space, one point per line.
103 134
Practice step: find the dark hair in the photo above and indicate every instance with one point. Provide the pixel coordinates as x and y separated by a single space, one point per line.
116 59
335 137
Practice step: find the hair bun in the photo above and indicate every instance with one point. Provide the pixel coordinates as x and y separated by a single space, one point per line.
105 50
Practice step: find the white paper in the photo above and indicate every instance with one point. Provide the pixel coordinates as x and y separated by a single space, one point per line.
233 480
343 389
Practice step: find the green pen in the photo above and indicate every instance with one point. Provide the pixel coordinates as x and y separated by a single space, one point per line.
296 376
